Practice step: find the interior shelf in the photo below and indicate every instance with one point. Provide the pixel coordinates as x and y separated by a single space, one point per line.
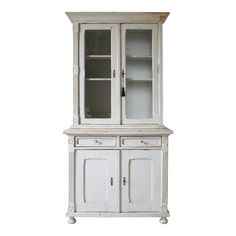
97 79
136 57
98 57
138 80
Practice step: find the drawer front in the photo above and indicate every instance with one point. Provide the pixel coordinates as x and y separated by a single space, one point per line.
93 142
141 142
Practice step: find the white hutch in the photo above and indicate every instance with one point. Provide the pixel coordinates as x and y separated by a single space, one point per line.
118 145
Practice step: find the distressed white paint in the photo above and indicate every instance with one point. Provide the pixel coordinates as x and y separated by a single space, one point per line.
114 66
160 73
141 141
119 214
122 131
104 151
76 115
96 180
153 84
117 17
95 142
141 188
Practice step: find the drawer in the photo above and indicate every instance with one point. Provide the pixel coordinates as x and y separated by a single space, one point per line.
141 142
93 142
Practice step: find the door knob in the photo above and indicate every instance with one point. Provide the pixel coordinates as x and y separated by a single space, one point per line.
124 181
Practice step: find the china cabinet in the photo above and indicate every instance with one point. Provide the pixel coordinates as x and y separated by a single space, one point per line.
118 145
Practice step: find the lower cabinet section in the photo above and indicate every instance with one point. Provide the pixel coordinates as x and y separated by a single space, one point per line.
118 181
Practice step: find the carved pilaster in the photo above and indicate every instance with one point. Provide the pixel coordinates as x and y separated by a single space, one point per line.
71 208
165 144
75 71
164 207
164 174
71 143
75 120
75 28
71 175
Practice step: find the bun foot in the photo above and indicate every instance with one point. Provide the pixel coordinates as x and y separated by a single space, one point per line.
71 220
163 220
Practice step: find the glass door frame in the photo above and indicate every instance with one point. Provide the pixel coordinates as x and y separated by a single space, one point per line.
156 74
114 73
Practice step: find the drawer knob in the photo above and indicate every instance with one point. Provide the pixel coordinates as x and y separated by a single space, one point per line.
98 142
143 142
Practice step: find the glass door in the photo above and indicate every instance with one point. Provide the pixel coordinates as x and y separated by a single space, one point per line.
139 73
98 66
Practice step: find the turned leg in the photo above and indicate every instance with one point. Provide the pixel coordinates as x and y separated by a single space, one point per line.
71 220
163 220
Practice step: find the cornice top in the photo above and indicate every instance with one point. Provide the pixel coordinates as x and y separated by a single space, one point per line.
117 17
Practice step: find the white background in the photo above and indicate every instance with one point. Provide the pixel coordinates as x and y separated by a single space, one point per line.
36 105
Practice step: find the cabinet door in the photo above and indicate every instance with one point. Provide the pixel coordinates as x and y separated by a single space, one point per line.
98 73
96 180
140 95
141 180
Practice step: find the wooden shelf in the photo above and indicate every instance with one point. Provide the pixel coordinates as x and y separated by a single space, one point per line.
97 79
138 80
138 58
98 57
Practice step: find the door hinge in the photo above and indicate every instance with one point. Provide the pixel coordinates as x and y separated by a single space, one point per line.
123 78
123 73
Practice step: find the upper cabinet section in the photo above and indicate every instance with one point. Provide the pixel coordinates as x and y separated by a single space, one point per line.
117 66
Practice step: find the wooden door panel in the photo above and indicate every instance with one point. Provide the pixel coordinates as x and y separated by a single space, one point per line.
96 184
140 177
141 190
95 181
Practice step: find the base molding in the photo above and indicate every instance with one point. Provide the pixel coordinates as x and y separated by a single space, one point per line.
118 214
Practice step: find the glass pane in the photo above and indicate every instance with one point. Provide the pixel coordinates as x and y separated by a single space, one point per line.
98 99
98 74
139 74
98 42
95 68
